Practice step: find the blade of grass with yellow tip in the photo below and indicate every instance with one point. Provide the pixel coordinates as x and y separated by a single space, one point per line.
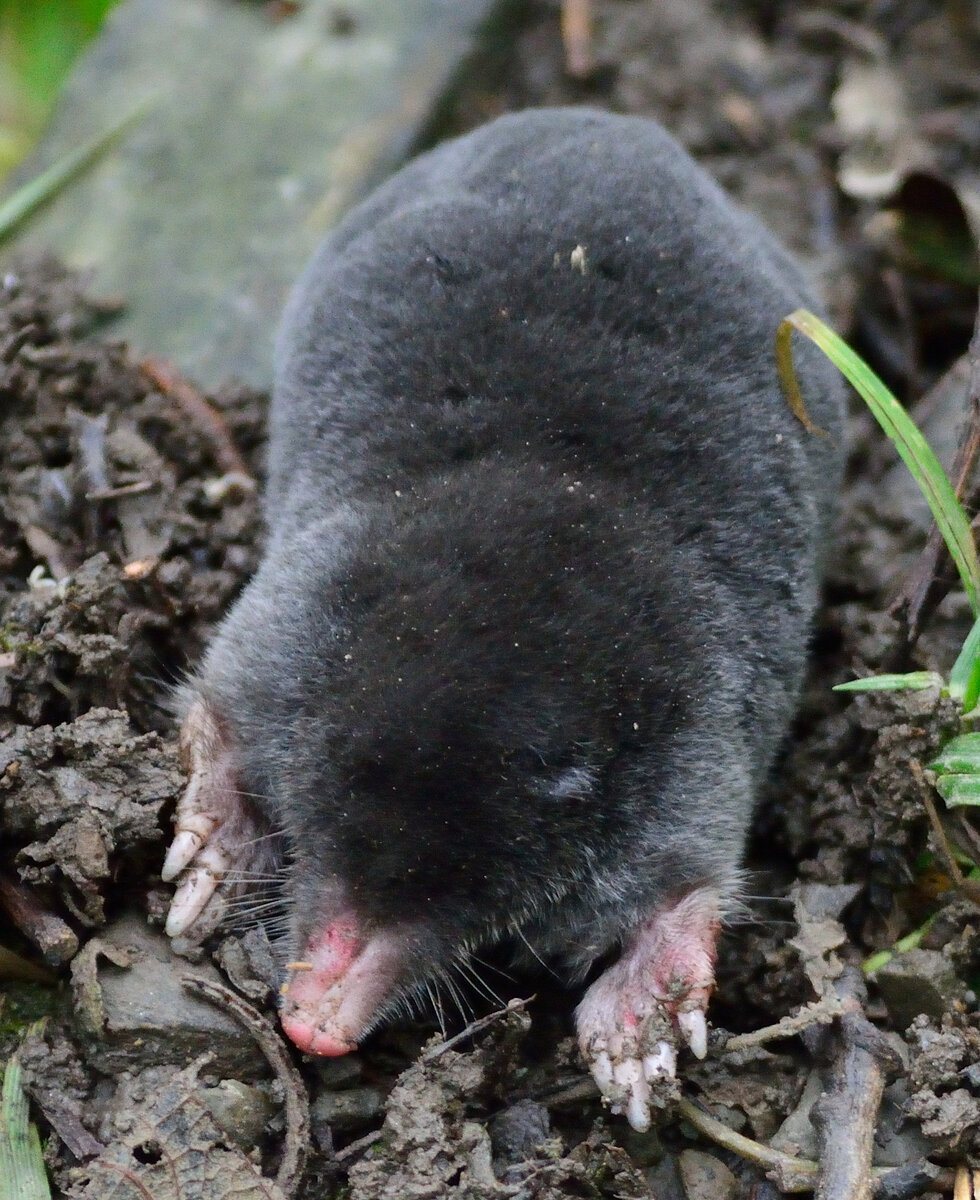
900 428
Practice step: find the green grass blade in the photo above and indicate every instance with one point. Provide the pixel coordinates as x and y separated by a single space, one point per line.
915 681
900 428
22 1173
964 679
28 198
960 755
959 791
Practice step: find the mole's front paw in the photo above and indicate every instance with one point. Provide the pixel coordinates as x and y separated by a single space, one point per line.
216 833
630 1019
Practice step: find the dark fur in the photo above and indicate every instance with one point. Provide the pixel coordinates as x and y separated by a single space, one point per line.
543 543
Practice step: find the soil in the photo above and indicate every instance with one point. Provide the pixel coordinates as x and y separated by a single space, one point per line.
129 519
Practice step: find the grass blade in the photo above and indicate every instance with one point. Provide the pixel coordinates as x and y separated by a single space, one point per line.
960 755
22 1173
28 198
900 428
964 679
914 681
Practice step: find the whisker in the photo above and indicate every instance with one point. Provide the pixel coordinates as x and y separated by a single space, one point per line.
432 991
534 954
469 972
462 1006
493 967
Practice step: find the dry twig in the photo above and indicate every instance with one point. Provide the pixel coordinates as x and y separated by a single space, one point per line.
576 34
966 887
55 939
846 1114
475 1027
297 1140
204 415
820 1012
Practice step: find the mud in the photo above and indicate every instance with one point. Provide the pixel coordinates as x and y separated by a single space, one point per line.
129 520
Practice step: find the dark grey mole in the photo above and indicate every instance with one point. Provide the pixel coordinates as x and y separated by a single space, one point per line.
543 552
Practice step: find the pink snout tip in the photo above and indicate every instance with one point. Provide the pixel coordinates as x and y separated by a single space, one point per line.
305 1035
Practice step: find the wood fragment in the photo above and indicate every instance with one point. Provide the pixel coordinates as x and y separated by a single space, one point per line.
819 1012
204 415
970 888
137 488
361 1146
297 1139
846 1115
55 939
576 35
475 1027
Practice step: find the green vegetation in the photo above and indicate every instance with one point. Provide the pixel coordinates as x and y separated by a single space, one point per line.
39 40
899 426
35 192
22 1174
954 524
955 771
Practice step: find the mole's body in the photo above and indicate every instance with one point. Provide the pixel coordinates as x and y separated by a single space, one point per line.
543 542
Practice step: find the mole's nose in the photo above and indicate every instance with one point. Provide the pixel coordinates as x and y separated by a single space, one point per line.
333 997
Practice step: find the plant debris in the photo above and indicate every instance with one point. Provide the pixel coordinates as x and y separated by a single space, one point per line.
129 520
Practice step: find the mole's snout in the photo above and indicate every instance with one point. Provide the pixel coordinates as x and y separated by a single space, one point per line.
333 999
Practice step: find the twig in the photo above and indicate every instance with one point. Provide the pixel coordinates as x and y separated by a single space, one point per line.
475 1027
819 1012
124 489
967 887
576 34
58 1107
293 1164
356 1149
204 415
55 939
846 1114
970 833
791 1174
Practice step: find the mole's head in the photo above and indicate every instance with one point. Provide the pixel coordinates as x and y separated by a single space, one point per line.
425 722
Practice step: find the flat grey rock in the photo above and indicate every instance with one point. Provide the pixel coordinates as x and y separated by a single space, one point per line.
131 1010
260 133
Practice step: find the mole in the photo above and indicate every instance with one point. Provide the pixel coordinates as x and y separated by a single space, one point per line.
544 545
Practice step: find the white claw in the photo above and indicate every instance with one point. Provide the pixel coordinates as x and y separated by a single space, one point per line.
638 1109
627 1073
602 1071
662 1062
195 890
694 1030
185 845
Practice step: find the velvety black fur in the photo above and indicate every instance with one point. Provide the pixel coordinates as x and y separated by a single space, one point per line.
543 542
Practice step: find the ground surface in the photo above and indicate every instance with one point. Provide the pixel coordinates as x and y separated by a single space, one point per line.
129 519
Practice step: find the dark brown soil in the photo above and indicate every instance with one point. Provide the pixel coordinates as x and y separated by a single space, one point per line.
129 519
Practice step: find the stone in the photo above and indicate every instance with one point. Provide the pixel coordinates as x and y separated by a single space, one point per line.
132 1012
918 981
258 134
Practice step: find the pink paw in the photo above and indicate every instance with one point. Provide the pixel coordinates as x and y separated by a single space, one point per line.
630 1019
216 834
